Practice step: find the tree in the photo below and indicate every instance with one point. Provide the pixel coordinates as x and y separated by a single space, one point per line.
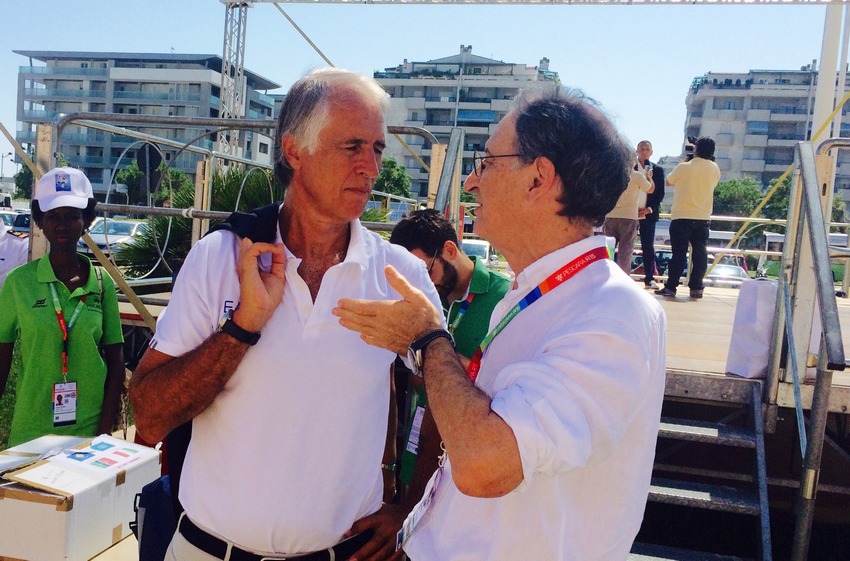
132 177
736 197
777 206
393 179
23 183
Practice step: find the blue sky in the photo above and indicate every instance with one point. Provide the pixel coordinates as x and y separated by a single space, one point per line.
638 61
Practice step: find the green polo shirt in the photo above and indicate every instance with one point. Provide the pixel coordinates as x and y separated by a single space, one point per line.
489 287
27 316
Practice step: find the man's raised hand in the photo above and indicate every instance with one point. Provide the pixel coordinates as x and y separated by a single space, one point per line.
259 292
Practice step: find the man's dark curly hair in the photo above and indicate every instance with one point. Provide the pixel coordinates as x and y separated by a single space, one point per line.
427 230
88 213
589 155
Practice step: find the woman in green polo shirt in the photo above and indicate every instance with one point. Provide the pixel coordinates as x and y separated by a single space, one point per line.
63 313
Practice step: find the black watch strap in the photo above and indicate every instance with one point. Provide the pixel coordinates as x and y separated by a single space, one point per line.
422 341
229 327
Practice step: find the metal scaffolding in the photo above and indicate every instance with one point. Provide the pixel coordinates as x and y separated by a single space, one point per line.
232 72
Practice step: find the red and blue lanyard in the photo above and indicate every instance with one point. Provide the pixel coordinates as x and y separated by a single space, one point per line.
66 328
462 310
554 280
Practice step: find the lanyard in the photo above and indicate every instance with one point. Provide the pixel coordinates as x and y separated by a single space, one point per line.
66 329
462 310
554 280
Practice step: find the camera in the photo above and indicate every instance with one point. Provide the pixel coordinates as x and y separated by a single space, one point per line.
689 148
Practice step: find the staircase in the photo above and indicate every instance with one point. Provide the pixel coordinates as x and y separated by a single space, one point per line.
709 486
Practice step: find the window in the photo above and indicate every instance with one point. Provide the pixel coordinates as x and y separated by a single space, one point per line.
264 148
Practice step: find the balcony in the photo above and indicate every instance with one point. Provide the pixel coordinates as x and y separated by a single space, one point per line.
725 114
25 136
788 117
775 167
786 140
84 160
758 115
62 70
35 114
752 165
93 136
157 96
51 92
755 140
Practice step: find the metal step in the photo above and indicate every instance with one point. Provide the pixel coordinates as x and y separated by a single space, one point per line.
712 433
700 495
651 552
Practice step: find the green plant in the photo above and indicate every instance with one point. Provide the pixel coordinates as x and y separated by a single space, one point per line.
7 403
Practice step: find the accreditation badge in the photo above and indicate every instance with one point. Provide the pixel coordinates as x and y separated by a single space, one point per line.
64 404
419 510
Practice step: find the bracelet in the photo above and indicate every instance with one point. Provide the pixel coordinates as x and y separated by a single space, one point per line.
388 467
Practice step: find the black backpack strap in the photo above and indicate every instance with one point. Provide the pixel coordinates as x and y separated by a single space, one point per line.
258 225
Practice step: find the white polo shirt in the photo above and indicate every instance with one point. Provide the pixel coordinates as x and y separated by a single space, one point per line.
288 456
579 377
13 251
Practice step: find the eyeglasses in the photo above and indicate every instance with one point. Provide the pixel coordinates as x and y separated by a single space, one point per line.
433 260
478 161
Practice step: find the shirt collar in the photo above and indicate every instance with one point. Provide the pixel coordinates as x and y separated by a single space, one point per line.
356 252
540 270
44 273
480 281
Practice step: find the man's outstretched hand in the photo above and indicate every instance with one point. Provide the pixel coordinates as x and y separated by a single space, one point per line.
390 324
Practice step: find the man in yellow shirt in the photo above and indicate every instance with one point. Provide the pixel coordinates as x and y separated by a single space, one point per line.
693 200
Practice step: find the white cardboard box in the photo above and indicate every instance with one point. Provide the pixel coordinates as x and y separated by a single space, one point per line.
73 505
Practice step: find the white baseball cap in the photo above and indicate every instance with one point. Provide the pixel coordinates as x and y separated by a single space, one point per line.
63 187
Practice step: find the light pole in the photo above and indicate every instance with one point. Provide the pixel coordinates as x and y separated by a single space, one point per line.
3 161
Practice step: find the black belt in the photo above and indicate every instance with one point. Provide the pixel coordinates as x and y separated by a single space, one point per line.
218 548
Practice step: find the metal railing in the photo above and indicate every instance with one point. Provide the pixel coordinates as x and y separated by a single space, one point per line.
806 288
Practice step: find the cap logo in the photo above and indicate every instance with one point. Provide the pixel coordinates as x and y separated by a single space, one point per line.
63 182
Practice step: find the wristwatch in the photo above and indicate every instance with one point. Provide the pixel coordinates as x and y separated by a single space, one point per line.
229 327
415 352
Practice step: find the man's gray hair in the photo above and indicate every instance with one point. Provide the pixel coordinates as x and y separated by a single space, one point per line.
305 110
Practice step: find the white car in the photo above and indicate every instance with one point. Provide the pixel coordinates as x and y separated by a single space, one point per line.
111 235
8 217
482 249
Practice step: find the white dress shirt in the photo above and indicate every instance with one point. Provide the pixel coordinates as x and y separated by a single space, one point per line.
579 377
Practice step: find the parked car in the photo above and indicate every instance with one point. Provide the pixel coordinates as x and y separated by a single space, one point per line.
728 272
724 274
8 217
482 249
111 235
21 222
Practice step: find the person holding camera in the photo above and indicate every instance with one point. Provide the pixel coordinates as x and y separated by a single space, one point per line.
693 201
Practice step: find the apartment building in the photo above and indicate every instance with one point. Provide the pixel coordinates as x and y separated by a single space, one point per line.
464 90
756 119
54 82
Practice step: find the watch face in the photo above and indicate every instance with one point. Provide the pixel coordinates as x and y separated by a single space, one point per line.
414 363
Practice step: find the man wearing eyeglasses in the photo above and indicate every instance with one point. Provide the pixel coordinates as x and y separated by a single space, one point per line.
550 432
